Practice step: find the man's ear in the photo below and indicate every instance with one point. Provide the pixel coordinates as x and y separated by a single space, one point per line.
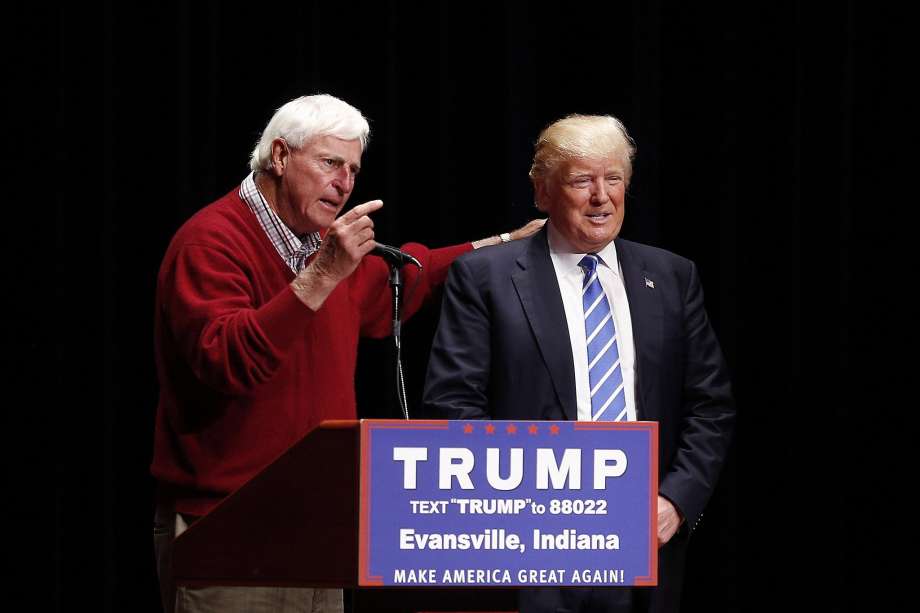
540 195
281 156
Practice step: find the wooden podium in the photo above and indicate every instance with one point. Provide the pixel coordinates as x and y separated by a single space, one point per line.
295 524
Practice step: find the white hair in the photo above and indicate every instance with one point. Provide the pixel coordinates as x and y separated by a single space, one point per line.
307 117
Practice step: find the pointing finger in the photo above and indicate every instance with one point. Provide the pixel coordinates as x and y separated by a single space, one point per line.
363 209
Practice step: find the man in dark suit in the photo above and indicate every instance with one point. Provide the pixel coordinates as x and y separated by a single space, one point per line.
575 323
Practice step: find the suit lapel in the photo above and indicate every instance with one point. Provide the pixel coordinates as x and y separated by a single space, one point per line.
645 312
538 290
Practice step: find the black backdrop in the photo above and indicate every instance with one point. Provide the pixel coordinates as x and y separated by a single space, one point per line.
758 132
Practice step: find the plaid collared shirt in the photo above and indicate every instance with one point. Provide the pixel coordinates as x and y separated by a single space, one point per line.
293 249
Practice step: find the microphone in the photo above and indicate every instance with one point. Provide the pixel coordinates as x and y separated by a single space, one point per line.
394 256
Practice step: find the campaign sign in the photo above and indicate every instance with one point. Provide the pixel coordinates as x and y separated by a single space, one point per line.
508 503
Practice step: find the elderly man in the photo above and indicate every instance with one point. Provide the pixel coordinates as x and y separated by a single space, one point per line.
575 323
261 299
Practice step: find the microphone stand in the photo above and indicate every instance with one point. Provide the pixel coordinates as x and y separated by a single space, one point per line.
396 283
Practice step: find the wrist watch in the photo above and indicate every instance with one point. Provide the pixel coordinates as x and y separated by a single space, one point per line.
505 236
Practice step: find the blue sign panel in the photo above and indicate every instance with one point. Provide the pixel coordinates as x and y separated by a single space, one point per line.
508 503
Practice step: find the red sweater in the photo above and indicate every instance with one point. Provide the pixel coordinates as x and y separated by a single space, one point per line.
245 368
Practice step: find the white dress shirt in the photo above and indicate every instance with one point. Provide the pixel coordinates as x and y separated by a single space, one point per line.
570 276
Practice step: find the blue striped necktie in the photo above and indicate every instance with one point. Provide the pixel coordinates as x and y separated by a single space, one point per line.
608 398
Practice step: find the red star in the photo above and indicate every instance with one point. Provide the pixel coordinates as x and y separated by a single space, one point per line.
490 429
533 428
554 429
468 429
511 429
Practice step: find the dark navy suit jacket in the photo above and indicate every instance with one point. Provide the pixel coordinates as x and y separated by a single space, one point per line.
502 351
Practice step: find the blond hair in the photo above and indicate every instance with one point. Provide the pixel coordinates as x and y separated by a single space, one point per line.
581 137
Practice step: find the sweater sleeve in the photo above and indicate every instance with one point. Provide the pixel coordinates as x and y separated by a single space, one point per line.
209 306
375 296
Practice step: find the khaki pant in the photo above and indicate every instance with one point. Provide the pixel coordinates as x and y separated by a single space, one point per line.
168 524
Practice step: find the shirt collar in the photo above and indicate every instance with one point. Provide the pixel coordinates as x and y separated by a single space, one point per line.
566 255
294 249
